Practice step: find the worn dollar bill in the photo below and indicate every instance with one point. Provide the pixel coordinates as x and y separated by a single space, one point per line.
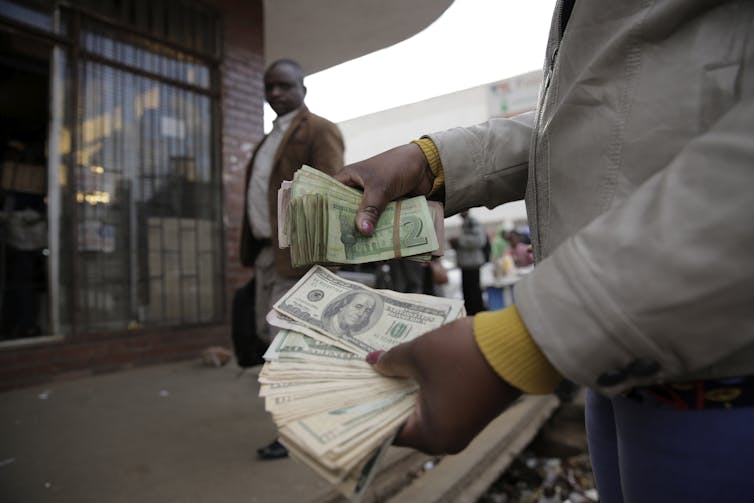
332 410
279 320
358 316
345 428
317 221
292 346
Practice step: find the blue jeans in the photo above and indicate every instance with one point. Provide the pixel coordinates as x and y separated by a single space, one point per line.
646 453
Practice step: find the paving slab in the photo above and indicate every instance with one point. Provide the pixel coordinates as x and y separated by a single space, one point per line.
188 433
181 432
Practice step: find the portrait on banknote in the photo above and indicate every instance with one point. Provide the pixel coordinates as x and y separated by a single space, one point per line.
352 313
348 234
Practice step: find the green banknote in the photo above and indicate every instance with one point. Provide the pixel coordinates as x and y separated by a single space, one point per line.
317 221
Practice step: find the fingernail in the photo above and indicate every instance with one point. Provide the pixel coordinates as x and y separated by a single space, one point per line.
374 357
366 226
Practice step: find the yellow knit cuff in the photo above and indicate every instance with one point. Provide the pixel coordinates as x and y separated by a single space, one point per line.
435 164
512 353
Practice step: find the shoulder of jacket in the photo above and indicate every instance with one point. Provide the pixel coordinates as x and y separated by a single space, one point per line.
316 119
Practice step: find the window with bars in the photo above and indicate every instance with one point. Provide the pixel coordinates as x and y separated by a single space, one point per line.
147 191
134 182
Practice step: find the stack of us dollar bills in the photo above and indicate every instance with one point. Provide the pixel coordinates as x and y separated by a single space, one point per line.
316 219
332 410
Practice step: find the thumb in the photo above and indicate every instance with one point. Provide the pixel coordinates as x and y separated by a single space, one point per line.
395 362
372 205
373 200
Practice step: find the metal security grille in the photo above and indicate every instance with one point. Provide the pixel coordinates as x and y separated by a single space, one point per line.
133 171
183 23
147 215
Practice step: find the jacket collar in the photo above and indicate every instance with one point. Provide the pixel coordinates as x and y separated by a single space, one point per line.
298 118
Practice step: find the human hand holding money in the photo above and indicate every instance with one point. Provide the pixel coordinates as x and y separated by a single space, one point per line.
333 411
317 221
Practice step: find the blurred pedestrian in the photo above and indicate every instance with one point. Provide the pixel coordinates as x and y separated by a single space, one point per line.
637 172
298 137
520 251
407 276
499 244
23 241
470 257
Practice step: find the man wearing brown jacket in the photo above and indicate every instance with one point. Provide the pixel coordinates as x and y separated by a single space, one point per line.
298 137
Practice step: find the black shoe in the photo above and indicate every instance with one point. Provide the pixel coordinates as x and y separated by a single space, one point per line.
275 450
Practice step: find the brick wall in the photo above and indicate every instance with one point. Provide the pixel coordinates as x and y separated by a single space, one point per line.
242 127
243 99
103 353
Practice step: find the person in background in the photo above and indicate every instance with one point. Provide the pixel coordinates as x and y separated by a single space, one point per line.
520 250
637 172
23 240
406 276
298 137
500 254
499 244
470 257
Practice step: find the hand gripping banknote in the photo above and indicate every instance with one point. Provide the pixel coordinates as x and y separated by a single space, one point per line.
317 221
333 412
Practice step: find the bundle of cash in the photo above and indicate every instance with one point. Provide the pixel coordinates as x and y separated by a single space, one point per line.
316 219
332 410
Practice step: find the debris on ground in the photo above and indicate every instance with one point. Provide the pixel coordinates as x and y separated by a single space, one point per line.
555 467
216 356
530 479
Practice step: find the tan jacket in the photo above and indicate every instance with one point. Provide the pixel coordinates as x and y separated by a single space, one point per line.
638 172
310 140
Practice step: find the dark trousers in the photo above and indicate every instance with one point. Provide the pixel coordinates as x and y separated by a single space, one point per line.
246 345
472 291
651 454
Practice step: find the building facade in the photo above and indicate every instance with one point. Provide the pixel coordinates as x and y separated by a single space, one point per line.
374 133
125 126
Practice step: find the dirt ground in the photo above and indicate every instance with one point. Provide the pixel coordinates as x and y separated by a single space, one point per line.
554 468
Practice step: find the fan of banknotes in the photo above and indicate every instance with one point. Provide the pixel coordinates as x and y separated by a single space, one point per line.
332 410
317 221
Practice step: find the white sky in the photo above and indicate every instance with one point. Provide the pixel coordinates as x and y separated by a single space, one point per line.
474 42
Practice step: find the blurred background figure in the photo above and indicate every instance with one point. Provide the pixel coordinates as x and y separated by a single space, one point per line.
520 248
435 277
499 252
406 276
23 240
499 244
470 257
298 137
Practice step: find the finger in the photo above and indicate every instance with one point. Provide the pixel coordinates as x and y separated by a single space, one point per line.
396 362
372 205
419 431
411 432
350 176
373 201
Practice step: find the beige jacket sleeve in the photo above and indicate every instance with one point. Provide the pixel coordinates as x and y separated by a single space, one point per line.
686 234
485 165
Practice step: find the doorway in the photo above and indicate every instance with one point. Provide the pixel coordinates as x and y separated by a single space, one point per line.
24 122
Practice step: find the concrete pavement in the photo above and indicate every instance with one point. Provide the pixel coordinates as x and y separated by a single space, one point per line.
185 432
180 432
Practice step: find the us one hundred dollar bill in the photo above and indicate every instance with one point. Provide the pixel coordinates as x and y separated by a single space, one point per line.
359 317
332 410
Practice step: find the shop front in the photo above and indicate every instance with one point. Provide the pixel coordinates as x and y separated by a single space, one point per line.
122 127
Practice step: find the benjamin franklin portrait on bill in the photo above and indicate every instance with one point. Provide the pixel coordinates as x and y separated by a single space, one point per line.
352 313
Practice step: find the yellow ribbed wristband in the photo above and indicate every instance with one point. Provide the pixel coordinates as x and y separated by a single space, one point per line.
435 164
512 353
